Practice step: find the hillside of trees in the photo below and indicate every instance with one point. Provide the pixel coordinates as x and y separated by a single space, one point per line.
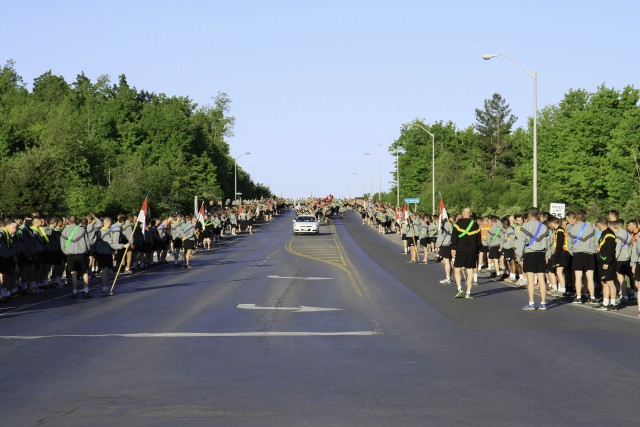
588 157
102 147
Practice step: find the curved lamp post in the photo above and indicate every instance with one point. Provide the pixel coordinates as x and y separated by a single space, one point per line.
534 76
235 175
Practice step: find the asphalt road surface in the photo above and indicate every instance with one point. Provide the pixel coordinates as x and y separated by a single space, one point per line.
242 340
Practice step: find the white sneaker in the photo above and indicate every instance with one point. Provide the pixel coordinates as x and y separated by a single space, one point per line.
446 281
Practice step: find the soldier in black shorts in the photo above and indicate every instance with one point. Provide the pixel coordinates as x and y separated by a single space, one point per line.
176 236
581 238
531 249
606 265
443 247
560 258
465 246
7 262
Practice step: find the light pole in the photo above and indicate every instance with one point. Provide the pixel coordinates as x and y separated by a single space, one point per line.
380 175
398 152
534 76
356 173
235 175
433 164
371 165
398 177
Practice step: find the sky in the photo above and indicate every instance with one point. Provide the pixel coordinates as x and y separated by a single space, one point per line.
316 84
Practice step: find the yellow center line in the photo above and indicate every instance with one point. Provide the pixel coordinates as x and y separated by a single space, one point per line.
337 258
328 253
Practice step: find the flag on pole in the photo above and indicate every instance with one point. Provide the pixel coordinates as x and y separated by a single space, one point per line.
200 216
443 213
142 216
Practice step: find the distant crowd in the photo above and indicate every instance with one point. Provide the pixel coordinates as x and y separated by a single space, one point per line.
39 252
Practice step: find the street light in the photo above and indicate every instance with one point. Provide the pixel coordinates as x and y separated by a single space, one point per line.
398 152
534 76
433 164
371 165
356 173
379 174
235 175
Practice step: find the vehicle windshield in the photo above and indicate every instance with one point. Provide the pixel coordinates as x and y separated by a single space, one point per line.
306 219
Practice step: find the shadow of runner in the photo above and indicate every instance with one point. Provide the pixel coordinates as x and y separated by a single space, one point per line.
495 291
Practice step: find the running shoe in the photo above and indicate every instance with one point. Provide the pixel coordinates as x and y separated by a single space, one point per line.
475 283
612 307
577 300
543 306
468 297
75 295
411 261
446 281
87 295
460 294
493 275
529 307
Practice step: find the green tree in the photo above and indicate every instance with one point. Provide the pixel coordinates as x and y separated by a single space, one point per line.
101 147
493 124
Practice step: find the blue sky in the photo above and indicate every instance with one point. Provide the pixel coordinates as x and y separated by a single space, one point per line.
315 84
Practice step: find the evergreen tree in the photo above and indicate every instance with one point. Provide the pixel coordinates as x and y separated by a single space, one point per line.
493 124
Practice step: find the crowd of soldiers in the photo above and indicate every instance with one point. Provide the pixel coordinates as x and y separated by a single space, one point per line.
39 253
322 208
588 263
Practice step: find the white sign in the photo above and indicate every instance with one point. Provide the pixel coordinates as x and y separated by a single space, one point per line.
557 209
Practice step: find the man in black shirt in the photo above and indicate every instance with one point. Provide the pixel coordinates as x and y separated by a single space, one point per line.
465 246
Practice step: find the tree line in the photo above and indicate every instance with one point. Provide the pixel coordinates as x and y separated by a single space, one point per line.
588 157
101 147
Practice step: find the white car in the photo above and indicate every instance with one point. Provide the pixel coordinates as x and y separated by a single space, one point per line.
306 224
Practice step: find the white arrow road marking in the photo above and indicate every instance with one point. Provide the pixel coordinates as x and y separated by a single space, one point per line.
301 309
299 278
201 335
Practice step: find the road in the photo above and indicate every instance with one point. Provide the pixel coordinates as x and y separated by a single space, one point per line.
242 340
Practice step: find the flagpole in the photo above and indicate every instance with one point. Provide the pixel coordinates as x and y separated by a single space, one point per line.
198 214
126 250
122 260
